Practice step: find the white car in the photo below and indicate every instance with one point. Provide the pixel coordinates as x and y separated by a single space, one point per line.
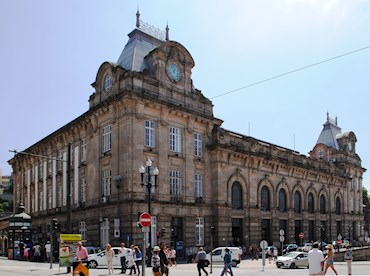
307 247
293 259
219 253
98 259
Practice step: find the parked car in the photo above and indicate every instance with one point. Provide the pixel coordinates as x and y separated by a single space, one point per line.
219 253
92 249
293 259
344 243
322 245
290 247
98 259
307 247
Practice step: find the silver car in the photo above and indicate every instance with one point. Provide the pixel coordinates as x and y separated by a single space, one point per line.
293 259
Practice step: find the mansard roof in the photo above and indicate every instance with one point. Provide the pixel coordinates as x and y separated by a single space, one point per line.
142 40
328 135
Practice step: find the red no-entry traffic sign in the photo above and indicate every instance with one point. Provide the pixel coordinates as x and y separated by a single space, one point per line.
145 219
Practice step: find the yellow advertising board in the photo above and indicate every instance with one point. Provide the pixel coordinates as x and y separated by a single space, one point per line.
67 248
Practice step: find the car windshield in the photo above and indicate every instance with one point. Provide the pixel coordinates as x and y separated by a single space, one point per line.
291 255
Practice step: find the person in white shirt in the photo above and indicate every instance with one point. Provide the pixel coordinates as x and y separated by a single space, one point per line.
48 251
123 255
173 256
316 260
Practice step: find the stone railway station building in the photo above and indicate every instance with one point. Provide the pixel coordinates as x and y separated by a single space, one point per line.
145 107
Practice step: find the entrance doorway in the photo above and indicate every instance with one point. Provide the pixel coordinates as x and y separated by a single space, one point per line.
237 232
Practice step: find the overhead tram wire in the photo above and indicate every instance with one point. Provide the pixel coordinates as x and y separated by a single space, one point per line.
290 72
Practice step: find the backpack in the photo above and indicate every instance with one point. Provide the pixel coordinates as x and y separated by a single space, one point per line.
138 254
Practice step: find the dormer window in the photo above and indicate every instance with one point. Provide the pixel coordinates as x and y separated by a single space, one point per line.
350 147
107 83
320 154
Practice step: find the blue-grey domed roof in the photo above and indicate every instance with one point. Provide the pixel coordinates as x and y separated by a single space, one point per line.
142 40
328 135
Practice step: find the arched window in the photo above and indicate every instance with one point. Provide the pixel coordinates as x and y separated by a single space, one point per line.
338 210
311 203
282 201
322 204
297 202
265 199
236 196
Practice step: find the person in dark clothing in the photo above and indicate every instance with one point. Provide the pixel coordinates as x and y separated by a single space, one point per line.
201 261
163 259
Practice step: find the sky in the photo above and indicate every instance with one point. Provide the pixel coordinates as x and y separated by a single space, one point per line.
50 53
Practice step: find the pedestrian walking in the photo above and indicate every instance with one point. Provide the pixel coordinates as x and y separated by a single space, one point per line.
348 258
156 261
163 259
227 262
138 258
49 254
37 252
270 254
251 252
173 256
315 260
123 255
109 255
131 259
275 254
200 259
330 259
189 252
82 254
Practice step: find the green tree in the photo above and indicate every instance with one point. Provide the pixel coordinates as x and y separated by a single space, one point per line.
365 197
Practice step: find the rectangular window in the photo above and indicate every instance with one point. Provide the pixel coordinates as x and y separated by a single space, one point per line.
104 230
197 145
83 150
199 231
175 139
59 162
107 138
50 197
82 228
50 165
83 190
41 171
60 196
149 134
106 183
41 206
175 183
198 185
72 158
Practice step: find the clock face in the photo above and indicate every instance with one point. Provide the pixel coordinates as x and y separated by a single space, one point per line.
173 72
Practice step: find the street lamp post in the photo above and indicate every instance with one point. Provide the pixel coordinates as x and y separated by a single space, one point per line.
322 230
147 173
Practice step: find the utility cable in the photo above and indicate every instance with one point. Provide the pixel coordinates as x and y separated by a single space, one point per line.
291 72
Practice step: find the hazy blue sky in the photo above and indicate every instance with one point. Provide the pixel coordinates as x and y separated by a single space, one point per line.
50 52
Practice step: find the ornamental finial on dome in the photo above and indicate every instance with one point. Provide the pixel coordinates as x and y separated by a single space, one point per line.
137 18
167 32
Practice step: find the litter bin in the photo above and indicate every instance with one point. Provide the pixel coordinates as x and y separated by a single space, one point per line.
80 268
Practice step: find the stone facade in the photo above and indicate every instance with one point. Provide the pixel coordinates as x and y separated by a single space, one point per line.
246 188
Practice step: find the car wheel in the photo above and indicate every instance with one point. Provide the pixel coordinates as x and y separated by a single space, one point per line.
93 264
234 264
292 265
